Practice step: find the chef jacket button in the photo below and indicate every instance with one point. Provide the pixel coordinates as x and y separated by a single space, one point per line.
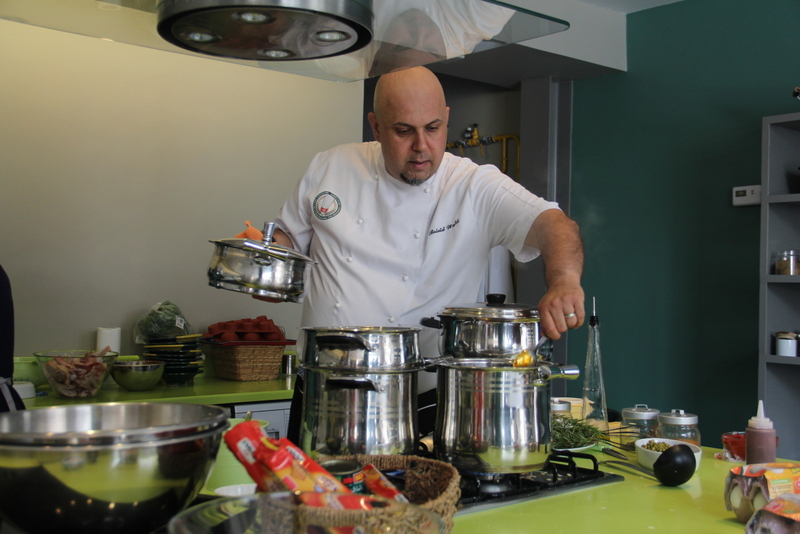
416 235
391 319
337 305
405 278
360 221
427 189
349 259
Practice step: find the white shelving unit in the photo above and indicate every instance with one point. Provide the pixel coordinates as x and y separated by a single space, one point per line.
779 376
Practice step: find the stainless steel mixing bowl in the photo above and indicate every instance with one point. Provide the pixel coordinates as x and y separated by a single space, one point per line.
122 468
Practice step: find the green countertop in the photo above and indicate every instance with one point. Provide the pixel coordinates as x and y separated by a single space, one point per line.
637 504
204 390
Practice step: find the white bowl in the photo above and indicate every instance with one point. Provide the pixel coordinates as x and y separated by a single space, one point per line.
647 457
236 490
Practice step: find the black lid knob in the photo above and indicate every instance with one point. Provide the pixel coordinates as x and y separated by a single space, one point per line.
495 299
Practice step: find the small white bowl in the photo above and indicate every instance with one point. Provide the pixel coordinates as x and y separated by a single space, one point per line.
647 457
236 490
26 390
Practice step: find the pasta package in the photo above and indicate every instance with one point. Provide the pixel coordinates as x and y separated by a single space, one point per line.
278 465
377 484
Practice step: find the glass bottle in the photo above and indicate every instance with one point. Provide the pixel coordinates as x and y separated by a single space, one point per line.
594 394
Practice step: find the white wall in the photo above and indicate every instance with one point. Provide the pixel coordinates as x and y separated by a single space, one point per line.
119 163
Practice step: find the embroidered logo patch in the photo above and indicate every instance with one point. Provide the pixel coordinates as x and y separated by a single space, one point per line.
327 205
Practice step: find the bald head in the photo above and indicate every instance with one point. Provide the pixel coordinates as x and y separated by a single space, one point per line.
407 87
410 121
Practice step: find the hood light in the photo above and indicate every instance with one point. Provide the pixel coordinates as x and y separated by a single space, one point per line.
275 53
255 17
199 37
331 36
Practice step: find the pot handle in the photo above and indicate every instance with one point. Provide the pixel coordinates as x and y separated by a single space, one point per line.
549 372
344 339
350 382
431 322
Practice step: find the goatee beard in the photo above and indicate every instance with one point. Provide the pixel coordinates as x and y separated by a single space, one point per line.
412 181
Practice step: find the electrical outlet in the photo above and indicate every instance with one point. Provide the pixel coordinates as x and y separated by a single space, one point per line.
747 195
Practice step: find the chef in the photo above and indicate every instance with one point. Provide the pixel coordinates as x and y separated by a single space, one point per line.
399 228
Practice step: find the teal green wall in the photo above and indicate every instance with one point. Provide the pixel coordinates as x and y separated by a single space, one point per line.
656 152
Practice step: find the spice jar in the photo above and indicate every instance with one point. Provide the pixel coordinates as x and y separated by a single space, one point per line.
638 422
788 262
679 425
559 408
786 344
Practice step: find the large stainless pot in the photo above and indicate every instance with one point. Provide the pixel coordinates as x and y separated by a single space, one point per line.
492 417
121 468
264 269
486 330
360 390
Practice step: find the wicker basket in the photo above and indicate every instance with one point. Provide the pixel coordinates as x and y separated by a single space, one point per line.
430 484
244 361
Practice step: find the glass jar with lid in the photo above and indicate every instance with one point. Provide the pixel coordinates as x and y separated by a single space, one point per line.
787 262
560 408
680 425
638 422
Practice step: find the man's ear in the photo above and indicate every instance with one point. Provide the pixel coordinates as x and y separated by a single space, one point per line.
373 122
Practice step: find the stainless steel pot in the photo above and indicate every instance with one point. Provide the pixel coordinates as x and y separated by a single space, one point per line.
264 269
362 348
492 417
487 330
360 413
360 390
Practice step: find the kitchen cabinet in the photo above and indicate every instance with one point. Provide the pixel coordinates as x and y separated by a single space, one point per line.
275 413
779 301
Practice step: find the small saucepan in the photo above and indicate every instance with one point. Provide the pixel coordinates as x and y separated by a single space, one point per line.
259 268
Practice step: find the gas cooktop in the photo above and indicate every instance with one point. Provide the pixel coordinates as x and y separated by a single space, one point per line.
564 471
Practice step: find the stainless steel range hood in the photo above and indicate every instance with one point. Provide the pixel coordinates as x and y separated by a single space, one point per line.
338 40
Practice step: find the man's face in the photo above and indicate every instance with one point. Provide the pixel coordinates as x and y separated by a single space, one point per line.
413 137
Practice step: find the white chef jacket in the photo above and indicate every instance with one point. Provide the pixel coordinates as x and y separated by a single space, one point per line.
389 253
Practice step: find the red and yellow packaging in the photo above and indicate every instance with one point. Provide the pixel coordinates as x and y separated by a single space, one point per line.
278 465
749 487
781 514
377 484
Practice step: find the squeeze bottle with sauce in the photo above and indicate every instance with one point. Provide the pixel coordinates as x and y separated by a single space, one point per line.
760 438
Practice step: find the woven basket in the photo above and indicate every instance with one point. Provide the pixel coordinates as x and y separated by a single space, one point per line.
246 362
430 484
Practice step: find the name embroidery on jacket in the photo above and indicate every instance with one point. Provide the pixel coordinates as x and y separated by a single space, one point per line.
326 205
443 228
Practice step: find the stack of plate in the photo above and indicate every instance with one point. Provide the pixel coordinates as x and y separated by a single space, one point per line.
182 358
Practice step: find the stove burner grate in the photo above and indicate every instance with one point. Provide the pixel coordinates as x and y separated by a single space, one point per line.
561 473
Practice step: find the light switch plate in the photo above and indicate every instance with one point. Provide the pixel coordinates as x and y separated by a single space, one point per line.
747 195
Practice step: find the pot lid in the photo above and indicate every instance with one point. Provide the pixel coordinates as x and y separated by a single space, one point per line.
495 307
274 250
336 40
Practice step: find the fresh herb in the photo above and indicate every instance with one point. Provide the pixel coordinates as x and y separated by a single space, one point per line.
569 433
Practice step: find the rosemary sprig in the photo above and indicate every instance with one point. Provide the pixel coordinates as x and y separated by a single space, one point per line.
569 433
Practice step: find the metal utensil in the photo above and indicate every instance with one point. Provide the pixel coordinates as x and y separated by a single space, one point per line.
630 466
616 454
